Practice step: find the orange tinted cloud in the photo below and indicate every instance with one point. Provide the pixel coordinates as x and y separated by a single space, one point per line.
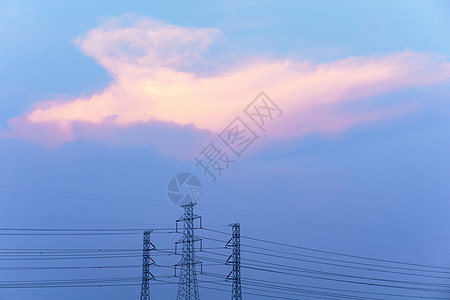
151 65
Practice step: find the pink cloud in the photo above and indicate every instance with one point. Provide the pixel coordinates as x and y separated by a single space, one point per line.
151 65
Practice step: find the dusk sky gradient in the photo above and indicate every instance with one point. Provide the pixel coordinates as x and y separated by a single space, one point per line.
116 97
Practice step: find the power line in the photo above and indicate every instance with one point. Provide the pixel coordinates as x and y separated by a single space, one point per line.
347 281
273 271
145 200
341 260
371 269
331 252
276 294
321 287
85 229
263 288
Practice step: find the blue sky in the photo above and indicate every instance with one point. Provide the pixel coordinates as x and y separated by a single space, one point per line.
358 164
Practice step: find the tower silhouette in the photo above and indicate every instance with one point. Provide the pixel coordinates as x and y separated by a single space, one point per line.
235 260
188 285
146 262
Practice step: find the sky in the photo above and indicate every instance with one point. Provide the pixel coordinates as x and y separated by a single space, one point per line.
103 102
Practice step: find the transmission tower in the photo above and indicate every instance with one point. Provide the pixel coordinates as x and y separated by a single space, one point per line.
187 285
146 262
235 261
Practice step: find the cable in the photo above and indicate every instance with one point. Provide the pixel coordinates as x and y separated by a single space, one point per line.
371 269
87 229
322 288
260 268
331 252
335 260
83 232
144 201
248 293
347 281
277 290
339 260
263 215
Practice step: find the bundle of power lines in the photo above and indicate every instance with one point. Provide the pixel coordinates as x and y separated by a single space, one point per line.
270 269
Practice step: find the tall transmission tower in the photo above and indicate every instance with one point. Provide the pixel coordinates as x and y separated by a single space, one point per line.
235 261
188 285
146 262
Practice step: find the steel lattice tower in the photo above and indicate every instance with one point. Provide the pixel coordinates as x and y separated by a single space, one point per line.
235 260
146 262
188 285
